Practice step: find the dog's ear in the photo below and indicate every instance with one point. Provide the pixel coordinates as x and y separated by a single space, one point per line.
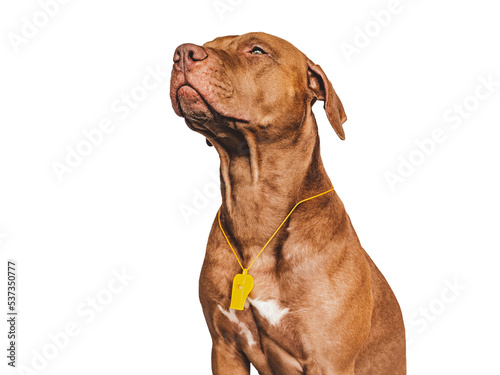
323 90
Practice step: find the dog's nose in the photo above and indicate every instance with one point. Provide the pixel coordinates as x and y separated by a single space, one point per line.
187 54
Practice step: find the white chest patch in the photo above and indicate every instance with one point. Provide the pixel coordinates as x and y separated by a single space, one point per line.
269 310
231 315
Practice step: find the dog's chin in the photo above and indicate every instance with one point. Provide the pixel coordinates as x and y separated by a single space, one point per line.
193 106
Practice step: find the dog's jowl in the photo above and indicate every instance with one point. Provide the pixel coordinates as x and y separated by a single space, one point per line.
318 304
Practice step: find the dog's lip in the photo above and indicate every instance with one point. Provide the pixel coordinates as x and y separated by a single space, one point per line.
187 85
179 111
177 107
175 98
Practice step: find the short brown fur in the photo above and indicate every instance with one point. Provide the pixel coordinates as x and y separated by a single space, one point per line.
256 110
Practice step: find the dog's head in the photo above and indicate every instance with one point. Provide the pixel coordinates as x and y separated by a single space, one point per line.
255 83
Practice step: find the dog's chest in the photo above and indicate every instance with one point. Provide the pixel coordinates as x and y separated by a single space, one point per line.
267 315
264 331
269 310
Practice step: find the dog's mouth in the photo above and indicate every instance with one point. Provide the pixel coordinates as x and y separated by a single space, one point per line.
191 105
203 118
194 105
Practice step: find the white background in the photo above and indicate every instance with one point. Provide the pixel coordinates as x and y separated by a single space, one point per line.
121 208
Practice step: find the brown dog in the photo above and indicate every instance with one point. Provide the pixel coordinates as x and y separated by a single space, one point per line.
319 304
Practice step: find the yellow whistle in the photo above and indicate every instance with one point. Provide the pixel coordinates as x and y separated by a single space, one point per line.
242 286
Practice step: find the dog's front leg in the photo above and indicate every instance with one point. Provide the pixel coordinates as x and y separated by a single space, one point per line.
229 360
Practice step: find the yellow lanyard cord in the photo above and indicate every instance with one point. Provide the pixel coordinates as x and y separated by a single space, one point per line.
245 270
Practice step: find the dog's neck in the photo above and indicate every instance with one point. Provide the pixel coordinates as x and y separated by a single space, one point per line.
261 187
